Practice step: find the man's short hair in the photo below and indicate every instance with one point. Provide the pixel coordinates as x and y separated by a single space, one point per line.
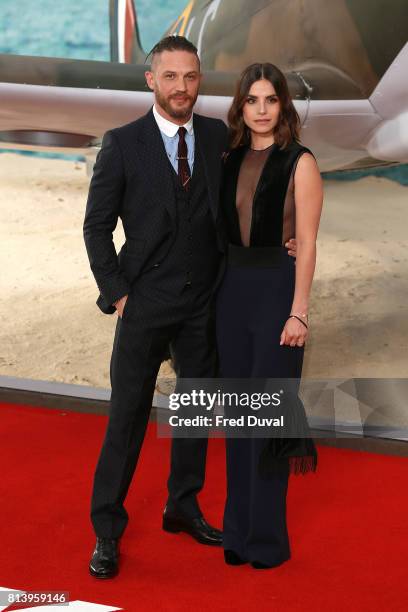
172 43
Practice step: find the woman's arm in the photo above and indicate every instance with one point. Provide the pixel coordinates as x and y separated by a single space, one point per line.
308 203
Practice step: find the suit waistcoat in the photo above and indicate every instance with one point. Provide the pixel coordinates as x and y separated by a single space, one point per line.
194 256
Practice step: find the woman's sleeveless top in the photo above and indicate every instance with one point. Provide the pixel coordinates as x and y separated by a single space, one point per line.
258 199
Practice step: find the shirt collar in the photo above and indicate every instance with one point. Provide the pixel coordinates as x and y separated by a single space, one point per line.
168 127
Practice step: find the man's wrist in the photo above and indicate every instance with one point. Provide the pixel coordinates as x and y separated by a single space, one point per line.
116 302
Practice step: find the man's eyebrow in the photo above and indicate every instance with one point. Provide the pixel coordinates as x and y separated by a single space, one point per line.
184 74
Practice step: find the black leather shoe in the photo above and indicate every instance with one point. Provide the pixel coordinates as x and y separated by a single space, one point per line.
104 562
232 558
198 528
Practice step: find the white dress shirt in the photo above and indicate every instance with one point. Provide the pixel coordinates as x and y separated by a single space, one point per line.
169 132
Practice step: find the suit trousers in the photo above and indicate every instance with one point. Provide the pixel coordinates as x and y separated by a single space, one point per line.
152 320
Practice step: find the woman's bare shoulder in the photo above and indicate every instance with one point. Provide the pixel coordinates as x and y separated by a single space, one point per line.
306 166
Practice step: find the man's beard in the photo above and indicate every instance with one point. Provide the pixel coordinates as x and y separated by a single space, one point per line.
176 114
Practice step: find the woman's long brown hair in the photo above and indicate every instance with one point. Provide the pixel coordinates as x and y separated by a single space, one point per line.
288 126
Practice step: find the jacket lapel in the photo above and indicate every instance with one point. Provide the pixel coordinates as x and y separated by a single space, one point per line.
152 153
211 164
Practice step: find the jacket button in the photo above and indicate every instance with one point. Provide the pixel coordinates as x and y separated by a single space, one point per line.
156 265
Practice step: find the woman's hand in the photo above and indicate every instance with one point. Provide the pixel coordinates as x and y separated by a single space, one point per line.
294 333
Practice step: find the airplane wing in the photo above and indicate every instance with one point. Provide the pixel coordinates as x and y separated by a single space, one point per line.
67 105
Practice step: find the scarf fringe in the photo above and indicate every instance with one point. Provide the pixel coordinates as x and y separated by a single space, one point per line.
302 465
299 456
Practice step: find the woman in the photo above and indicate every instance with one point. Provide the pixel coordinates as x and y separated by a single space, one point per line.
272 191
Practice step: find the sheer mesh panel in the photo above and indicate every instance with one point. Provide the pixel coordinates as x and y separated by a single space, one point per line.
249 175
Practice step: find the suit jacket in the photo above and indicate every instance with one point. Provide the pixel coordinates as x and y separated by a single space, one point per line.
131 181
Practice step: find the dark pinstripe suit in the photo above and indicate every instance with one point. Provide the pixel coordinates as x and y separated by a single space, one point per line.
134 180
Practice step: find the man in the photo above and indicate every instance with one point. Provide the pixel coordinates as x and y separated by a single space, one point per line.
161 175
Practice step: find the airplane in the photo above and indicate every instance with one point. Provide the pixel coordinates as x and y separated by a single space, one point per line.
346 63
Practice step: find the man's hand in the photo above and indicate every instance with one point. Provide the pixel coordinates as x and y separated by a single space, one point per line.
291 246
120 305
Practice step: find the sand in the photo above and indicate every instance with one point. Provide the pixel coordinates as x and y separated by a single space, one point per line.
51 328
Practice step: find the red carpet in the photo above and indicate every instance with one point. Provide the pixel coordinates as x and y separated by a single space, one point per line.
348 526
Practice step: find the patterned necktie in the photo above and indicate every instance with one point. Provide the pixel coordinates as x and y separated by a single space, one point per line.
183 167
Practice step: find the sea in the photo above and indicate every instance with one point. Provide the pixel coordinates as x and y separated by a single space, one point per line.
76 28
80 29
